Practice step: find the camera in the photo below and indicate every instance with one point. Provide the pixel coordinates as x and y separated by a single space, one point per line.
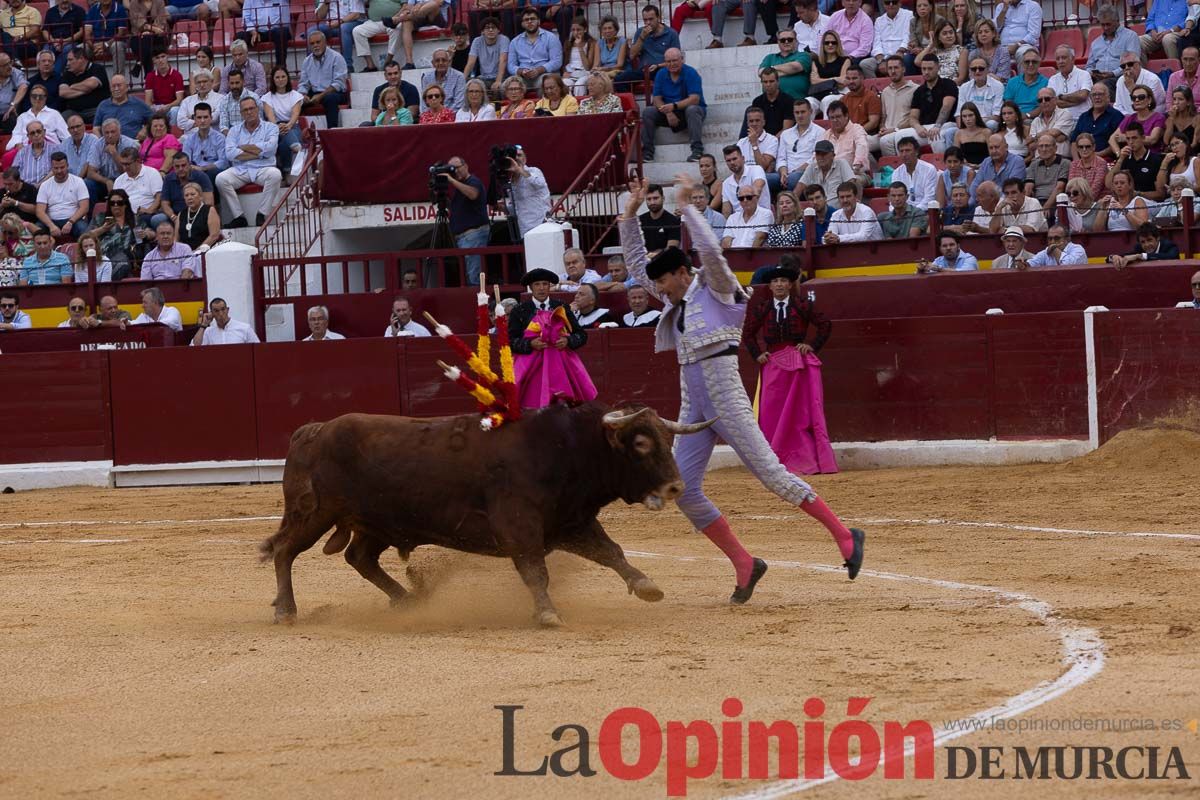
441 169
439 184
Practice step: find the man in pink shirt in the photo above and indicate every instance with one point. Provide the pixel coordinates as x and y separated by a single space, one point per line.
1189 76
855 28
849 140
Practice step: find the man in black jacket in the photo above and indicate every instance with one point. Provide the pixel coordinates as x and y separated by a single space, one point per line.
1151 247
540 283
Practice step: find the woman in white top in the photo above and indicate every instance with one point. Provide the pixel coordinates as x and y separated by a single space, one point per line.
89 243
476 107
584 54
1126 209
281 106
1179 162
52 121
1012 125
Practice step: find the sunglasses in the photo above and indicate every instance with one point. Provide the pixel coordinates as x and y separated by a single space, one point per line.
1033 63
1196 285
1079 146
978 69
830 44
1045 99
8 305
1129 65
432 95
75 308
745 197
1075 193
1136 98
116 202
891 2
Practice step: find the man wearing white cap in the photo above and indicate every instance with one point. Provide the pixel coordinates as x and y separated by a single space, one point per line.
1013 240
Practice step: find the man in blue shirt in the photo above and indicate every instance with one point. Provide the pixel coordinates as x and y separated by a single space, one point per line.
62 27
323 78
469 223
535 52
1163 26
129 110
678 103
561 13
107 25
12 318
1101 120
250 148
205 146
999 166
1024 88
82 148
1020 24
268 21
45 265
952 258
815 194
650 46
182 173
1105 51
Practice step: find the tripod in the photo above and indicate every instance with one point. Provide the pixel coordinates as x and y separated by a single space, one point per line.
439 239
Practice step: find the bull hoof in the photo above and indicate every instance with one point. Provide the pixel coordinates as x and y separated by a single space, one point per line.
645 589
285 617
403 601
550 619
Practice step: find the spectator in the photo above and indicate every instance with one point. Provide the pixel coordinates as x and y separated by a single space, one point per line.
792 73
748 226
640 314
959 212
323 78
617 278
919 177
584 56
891 37
148 28
1106 51
1179 162
217 327
205 62
920 33
435 113
1151 247
46 74
1182 117
1170 212
105 32
828 75
110 314
282 106
1024 89
952 258
393 78
62 29
677 89
559 14
77 316
164 87
586 310
1151 122
394 112
10 267
383 16
52 122
1189 75
1126 210
517 105
529 196
318 321
62 200
988 47
956 171
205 147
932 106
488 57
451 80
721 8
401 322
160 145
854 221
16 235
1018 210
1020 24
689 9
577 272
971 136
1050 120
1060 251
1100 122
902 220
197 225
650 46
951 56
896 100
535 52
822 211
88 248
555 99
759 148
1012 125
1000 166
33 160
229 113
1195 293
20 29
12 318
987 197
1071 85
614 48
742 174
142 184
797 145
119 234
963 16
182 173
155 309
1083 212
660 228
985 93
715 221
19 197
810 26
775 105
826 171
1138 160
863 106
1164 22
1132 75
84 85
857 32
1047 173
469 223
600 98
710 181
265 21
45 266
254 75
170 260
204 95
250 149
410 281
788 230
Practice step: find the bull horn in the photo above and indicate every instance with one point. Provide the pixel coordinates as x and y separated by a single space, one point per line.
681 428
619 419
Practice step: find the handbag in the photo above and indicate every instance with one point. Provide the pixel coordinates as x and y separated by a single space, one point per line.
823 88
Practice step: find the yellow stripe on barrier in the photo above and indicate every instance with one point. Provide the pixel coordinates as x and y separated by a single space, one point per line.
50 317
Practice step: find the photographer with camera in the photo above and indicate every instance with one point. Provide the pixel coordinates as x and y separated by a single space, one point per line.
528 191
469 223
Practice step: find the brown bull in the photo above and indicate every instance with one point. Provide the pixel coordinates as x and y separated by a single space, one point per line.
518 492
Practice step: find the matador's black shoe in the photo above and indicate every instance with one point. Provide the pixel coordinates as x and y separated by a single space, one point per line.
854 562
742 593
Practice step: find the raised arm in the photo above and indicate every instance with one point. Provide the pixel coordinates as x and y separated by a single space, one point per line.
633 244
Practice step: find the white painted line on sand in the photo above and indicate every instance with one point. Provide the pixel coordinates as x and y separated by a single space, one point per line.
966 524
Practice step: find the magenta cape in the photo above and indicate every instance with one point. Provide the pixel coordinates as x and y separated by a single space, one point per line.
791 412
543 374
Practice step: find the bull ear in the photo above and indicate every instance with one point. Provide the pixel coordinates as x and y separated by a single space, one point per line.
681 428
615 420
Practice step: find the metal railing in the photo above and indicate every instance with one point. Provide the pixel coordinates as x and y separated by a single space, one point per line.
294 225
591 202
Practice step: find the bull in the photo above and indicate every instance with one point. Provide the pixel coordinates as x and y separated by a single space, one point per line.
519 492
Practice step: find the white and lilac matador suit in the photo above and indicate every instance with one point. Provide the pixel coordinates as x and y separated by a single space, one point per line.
705 329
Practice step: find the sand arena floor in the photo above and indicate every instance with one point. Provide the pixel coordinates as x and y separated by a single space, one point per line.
139 660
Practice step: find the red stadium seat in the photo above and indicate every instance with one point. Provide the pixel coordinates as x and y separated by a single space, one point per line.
1139 28
1068 36
1159 65
878 204
890 161
196 32
628 102
937 159
1093 34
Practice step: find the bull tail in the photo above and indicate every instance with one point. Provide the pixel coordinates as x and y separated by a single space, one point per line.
300 500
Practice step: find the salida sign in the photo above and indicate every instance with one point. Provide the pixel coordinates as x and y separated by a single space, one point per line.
416 212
